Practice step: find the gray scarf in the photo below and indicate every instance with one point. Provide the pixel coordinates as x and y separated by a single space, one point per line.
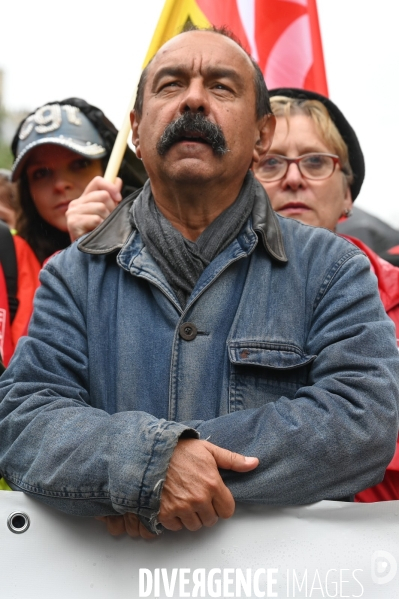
182 261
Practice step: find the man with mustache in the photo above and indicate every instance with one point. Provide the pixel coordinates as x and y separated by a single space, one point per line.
195 327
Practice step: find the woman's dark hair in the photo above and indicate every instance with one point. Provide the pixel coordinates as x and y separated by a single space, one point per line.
45 239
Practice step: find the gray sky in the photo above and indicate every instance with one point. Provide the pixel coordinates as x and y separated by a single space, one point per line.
94 50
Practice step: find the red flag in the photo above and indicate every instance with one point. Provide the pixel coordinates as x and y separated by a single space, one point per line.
283 36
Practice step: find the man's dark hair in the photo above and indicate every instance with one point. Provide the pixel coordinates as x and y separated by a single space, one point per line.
262 102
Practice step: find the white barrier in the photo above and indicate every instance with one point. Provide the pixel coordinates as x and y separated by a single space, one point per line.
330 549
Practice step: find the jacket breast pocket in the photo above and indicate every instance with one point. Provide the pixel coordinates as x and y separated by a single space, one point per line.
261 372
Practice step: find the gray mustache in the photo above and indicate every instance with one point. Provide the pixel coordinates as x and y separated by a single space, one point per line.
190 124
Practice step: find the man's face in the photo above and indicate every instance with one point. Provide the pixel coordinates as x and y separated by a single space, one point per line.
199 122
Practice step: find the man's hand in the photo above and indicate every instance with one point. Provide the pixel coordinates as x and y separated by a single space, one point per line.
194 494
130 523
97 202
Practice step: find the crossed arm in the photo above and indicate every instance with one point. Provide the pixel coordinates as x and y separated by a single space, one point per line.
332 438
193 494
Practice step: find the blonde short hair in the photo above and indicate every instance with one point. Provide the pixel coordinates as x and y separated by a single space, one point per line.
282 106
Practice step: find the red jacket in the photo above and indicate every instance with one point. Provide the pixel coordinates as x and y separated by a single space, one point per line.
6 344
388 286
27 282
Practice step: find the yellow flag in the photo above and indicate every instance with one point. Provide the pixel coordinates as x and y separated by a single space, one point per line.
175 14
4 486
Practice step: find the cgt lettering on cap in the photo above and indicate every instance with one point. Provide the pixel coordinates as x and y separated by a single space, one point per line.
57 124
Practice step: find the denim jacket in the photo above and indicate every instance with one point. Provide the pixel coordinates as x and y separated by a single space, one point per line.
283 352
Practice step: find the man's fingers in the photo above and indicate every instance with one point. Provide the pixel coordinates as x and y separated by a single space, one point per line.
115 524
229 460
99 202
87 212
100 184
131 524
209 517
174 524
193 521
144 533
128 523
224 504
194 493
135 528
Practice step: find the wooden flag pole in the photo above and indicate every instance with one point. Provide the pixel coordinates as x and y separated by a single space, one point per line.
119 148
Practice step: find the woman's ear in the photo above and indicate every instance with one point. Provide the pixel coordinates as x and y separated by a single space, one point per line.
348 202
265 132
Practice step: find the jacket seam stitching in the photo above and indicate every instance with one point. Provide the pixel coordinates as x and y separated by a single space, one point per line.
327 282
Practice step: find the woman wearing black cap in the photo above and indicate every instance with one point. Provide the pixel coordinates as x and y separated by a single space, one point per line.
313 172
61 151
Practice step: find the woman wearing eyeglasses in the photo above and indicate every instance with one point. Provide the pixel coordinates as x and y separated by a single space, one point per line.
313 172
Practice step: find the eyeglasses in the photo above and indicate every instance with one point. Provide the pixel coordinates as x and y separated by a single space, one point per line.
311 166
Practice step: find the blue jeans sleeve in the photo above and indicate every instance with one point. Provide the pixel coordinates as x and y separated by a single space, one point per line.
54 442
338 434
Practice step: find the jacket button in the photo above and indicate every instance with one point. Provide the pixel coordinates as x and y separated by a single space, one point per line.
188 331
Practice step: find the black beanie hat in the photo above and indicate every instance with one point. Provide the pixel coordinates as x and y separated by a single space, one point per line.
356 158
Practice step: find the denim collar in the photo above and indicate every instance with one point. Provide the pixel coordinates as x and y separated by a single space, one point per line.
114 232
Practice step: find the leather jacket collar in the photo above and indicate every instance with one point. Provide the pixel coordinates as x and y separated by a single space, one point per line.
113 233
